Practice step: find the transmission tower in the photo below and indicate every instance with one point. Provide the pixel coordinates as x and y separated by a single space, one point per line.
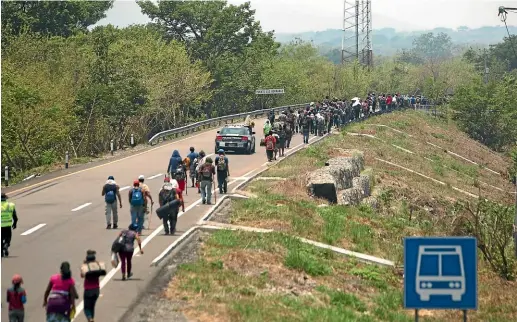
357 32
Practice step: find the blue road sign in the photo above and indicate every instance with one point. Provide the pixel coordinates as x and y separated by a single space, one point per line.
440 273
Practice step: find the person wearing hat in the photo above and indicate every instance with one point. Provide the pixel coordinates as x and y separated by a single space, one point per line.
200 162
16 297
223 171
147 195
111 193
9 221
167 194
137 200
206 177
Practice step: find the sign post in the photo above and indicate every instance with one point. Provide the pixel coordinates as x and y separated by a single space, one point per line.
440 273
268 92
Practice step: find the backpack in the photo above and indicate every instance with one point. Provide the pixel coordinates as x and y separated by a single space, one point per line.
180 173
221 164
206 172
137 197
168 196
269 144
93 269
119 244
194 165
110 196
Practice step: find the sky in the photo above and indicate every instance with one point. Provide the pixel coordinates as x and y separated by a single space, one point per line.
293 16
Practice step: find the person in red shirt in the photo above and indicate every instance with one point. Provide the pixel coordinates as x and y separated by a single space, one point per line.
16 297
270 142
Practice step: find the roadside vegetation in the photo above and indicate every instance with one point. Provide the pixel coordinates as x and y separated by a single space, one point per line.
69 87
246 276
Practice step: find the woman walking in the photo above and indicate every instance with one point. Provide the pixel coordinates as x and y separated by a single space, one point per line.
60 295
91 270
126 253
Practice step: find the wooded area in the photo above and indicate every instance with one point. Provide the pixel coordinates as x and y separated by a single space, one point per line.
65 88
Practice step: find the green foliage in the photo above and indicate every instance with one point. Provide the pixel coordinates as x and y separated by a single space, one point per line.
78 93
492 225
487 113
55 18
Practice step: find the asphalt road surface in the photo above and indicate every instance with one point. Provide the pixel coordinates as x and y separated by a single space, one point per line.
61 219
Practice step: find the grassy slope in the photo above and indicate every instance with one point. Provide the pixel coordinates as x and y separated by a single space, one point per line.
252 277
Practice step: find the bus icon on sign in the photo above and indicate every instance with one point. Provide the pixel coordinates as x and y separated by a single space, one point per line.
440 271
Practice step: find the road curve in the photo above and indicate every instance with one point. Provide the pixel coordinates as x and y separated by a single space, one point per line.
62 218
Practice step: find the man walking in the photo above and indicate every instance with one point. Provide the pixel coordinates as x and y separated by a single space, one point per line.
168 194
223 171
9 221
193 155
111 193
206 177
136 200
147 195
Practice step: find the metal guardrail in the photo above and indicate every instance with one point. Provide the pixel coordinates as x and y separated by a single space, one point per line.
190 128
217 121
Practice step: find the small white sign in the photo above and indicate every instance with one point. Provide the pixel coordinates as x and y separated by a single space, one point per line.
269 91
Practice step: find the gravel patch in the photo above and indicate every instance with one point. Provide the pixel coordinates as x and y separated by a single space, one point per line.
223 213
153 305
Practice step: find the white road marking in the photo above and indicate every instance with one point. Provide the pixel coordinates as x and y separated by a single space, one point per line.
82 206
124 188
33 229
113 271
155 176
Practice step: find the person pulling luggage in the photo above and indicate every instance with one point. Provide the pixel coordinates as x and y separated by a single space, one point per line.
169 201
223 171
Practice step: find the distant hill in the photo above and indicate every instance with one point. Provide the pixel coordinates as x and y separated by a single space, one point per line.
388 41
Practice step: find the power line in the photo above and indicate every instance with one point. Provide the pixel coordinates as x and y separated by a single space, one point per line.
503 13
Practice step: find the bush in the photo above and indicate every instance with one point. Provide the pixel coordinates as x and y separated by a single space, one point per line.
492 225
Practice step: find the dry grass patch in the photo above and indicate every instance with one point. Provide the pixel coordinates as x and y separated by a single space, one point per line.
273 277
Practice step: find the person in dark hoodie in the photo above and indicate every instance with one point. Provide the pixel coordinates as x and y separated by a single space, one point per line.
174 163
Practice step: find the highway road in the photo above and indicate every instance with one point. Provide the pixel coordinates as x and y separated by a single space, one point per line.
62 218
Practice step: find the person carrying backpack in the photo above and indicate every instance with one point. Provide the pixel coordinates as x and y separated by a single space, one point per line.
16 297
223 171
111 193
181 176
174 162
170 198
147 195
270 142
91 271
194 159
137 200
124 245
200 162
206 177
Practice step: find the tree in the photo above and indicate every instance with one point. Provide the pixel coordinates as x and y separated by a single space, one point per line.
225 38
487 113
433 50
492 225
55 18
